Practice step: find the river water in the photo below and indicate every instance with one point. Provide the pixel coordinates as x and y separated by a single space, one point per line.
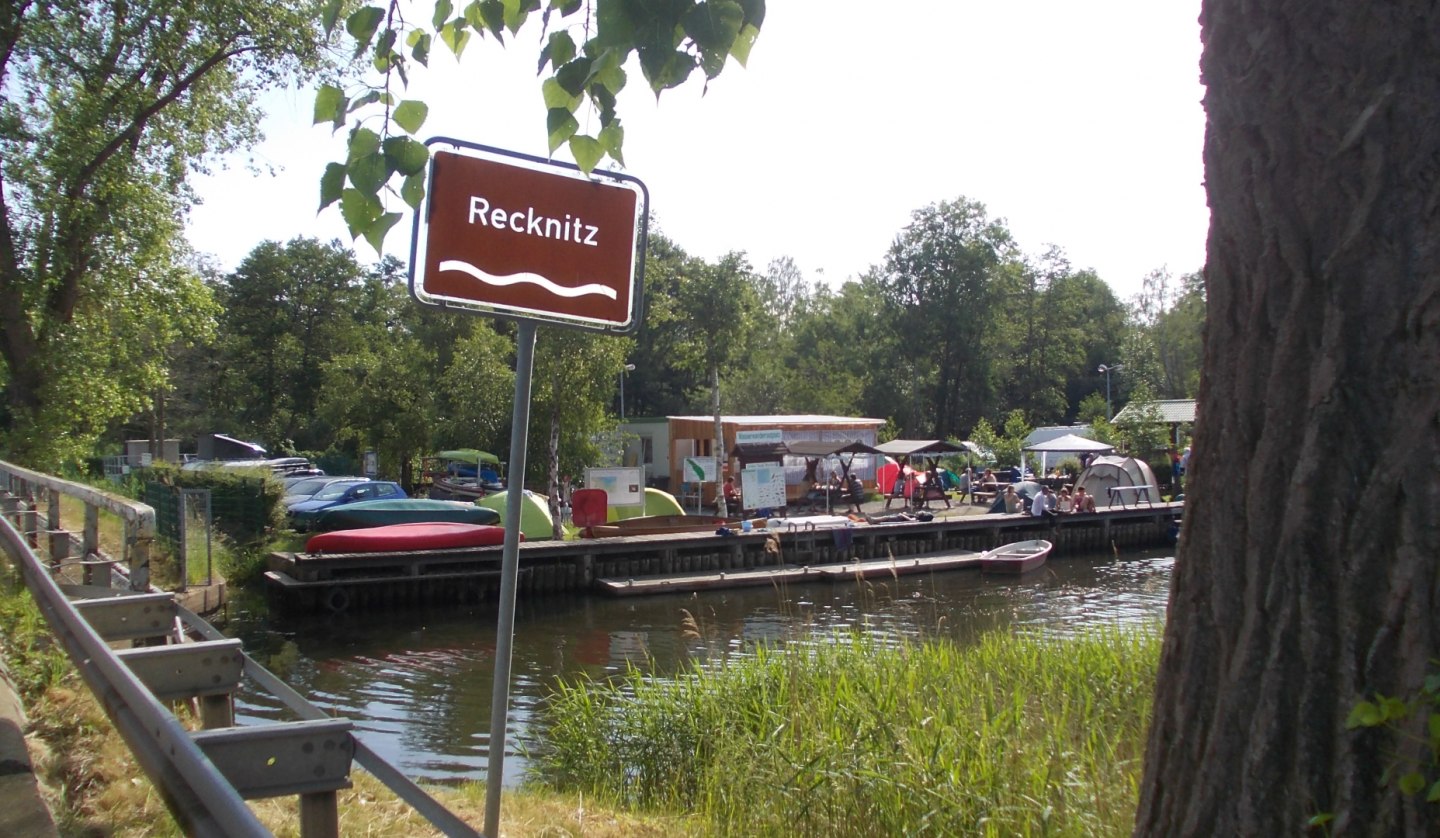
418 683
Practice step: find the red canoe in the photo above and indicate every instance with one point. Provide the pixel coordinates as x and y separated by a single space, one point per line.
398 538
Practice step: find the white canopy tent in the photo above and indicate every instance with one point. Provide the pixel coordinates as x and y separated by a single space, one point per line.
1067 444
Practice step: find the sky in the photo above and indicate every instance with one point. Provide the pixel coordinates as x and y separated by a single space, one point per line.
1079 124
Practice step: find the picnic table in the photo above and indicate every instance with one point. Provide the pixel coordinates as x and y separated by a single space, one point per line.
1118 493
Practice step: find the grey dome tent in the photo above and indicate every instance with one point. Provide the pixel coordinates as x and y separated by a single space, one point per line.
1105 473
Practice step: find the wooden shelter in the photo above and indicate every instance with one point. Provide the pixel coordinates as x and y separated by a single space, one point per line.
763 439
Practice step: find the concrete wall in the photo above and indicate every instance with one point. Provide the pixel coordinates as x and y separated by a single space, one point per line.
22 810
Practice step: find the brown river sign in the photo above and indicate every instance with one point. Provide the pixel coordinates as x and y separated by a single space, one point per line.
519 237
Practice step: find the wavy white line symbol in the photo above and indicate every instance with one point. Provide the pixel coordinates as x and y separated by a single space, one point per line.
533 279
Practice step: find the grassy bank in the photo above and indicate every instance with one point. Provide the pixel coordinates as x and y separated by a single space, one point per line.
94 787
1011 736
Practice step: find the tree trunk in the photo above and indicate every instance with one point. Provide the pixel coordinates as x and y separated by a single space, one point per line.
1306 577
721 460
552 464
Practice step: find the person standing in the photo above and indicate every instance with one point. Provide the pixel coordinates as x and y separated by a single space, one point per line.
856 494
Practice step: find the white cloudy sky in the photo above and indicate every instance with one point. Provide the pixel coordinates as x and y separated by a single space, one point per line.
1078 123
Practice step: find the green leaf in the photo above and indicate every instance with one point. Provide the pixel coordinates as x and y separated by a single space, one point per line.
712 62
714 24
330 105
358 210
332 183
385 51
491 14
370 98
1364 714
330 15
565 7
612 137
558 50
363 142
557 96
369 173
362 25
406 156
455 37
665 68
443 8
560 124
376 230
1321 819
1433 795
1433 723
515 14
1394 708
413 190
1412 783
587 152
611 78
410 115
744 42
419 43
574 75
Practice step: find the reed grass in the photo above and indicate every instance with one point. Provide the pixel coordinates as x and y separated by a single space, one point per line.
855 735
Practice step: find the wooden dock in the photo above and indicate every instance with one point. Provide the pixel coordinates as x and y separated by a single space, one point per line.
341 582
789 574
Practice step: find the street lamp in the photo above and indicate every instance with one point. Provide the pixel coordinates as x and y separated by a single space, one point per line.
623 370
1107 369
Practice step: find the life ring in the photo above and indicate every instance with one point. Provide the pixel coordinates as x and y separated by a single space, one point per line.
336 600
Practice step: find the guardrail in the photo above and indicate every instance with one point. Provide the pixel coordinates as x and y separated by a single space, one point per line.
204 776
25 489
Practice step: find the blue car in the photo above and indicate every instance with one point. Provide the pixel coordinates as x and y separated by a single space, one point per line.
303 515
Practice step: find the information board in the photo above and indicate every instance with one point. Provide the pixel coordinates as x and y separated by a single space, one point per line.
623 486
763 486
700 470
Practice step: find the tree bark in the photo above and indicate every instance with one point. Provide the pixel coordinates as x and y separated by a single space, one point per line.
1306 576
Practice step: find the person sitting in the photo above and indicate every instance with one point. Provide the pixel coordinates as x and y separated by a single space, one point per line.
1043 506
1083 501
988 480
1012 501
1064 504
732 495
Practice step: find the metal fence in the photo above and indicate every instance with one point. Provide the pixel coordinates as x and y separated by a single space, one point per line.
204 775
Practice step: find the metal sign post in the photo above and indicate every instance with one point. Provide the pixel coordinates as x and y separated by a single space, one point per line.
509 571
525 239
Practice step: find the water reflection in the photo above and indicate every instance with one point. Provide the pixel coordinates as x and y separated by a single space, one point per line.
417 684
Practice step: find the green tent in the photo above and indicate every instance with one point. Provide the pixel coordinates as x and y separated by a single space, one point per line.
657 502
535 520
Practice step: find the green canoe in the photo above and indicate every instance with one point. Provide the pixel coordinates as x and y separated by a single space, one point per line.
381 513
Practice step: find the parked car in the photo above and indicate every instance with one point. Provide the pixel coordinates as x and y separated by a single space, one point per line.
303 514
303 490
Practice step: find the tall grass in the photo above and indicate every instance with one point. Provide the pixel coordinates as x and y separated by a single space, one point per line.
844 736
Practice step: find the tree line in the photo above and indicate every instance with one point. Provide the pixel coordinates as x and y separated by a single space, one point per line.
309 351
